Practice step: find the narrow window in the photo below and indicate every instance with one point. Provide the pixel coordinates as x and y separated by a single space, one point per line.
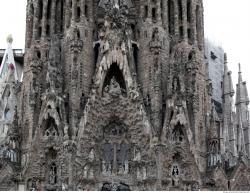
38 54
40 16
180 10
86 11
78 14
39 32
47 30
189 10
49 10
189 36
154 13
181 33
145 11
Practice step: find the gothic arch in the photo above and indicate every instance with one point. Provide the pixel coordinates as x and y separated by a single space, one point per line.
115 72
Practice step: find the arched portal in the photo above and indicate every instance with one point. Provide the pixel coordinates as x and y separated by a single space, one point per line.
114 73
115 150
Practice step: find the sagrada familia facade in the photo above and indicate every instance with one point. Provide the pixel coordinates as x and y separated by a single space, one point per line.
115 96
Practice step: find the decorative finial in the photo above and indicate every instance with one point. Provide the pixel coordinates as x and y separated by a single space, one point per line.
9 39
225 58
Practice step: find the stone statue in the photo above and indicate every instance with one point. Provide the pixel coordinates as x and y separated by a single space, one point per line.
65 185
115 89
137 156
92 155
107 158
66 131
175 175
52 174
85 172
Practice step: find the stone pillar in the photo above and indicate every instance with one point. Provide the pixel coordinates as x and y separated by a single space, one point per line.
67 14
184 22
192 22
165 14
53 17
44 19
74 11
91 10
29 25
83 3
176 19
158 11
36 22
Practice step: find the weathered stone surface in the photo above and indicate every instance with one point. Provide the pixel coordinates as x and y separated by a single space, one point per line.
116 97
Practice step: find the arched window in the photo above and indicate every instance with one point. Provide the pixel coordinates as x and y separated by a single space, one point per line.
154 14
51 130
115 150
114 73
52 174
51 167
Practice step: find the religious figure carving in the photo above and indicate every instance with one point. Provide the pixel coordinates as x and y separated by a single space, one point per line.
92 155
53 174
175 176
107 158
156 43
51 132
115 89
137 155
122 158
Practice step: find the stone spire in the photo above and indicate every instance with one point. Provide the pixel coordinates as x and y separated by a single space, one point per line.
227 82
242 93
228 122
242 116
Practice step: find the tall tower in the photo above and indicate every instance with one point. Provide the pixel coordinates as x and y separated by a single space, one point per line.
115 95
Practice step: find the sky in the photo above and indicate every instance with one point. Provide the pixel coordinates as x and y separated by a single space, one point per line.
227 24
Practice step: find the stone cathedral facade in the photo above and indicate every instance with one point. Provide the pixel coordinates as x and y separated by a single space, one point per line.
115 96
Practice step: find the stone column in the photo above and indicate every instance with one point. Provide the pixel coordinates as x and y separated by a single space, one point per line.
44 19
192 22
67 14
36 22
184 22
74 11
83 2
53 17
91 11
176 19
158 11
165 14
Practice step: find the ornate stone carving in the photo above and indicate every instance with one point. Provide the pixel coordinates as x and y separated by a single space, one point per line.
156 43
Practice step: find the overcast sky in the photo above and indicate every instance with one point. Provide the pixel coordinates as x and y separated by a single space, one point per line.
227 23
